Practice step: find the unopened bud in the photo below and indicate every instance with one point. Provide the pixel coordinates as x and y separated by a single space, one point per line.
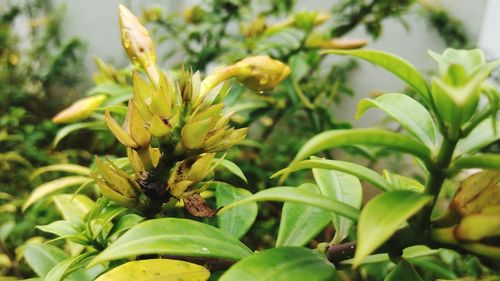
80 109
261 73
116 184
194 14
137 43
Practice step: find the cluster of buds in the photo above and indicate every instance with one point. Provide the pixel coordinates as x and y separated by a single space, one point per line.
473 219
456 91
173 129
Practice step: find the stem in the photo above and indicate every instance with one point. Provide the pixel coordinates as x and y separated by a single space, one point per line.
437 175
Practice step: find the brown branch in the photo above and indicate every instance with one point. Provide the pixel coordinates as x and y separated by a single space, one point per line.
337 253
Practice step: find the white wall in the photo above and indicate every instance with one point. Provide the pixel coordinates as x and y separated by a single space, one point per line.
96 22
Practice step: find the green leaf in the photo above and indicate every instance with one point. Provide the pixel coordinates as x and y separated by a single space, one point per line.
483 161
50 187
478 138
434 265
43 257
403 271
280 264
72 266
292 194
156 269
410 253
407 112
107 214
123 224
337 138
238 221
66 130
60 228
175 237
402 182
382 216
70 168
300 222
344 188
6 229
73 207
356 170
394 64
231 167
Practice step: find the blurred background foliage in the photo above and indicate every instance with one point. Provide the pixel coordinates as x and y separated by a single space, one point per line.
42 72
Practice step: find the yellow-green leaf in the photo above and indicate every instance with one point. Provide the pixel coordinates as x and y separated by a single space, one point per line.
156 269
51 187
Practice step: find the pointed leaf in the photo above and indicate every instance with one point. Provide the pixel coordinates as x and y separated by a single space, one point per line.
291 194
43 257
231 167
176 237
60 228
394 64
403 271
344 188
156 269
69 266
300 222
69 168
407 112
478 138
382 216
73 207
52 186
356 170
238 221
282 264
66 130
484 161
337 138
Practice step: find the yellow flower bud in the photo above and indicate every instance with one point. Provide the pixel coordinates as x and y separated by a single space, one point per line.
137 43
261 73
116 184
254 28
194 14
80 109
476 206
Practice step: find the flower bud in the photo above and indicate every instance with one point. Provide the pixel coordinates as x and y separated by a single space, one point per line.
476 206
80 109
137 43
261 73
254 28
194 14
116 184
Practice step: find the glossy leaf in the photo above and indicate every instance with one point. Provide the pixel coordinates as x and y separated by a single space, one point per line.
402 182
382 216
52 186
282 264
70 265
73 207
69 168
403 271
344 188
66 130
291 194
43 257
156 269
123 224
337 138
60 228
395 65
483 161
407 112
231 167
478 138
356 170
176 237
237 221
300 223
